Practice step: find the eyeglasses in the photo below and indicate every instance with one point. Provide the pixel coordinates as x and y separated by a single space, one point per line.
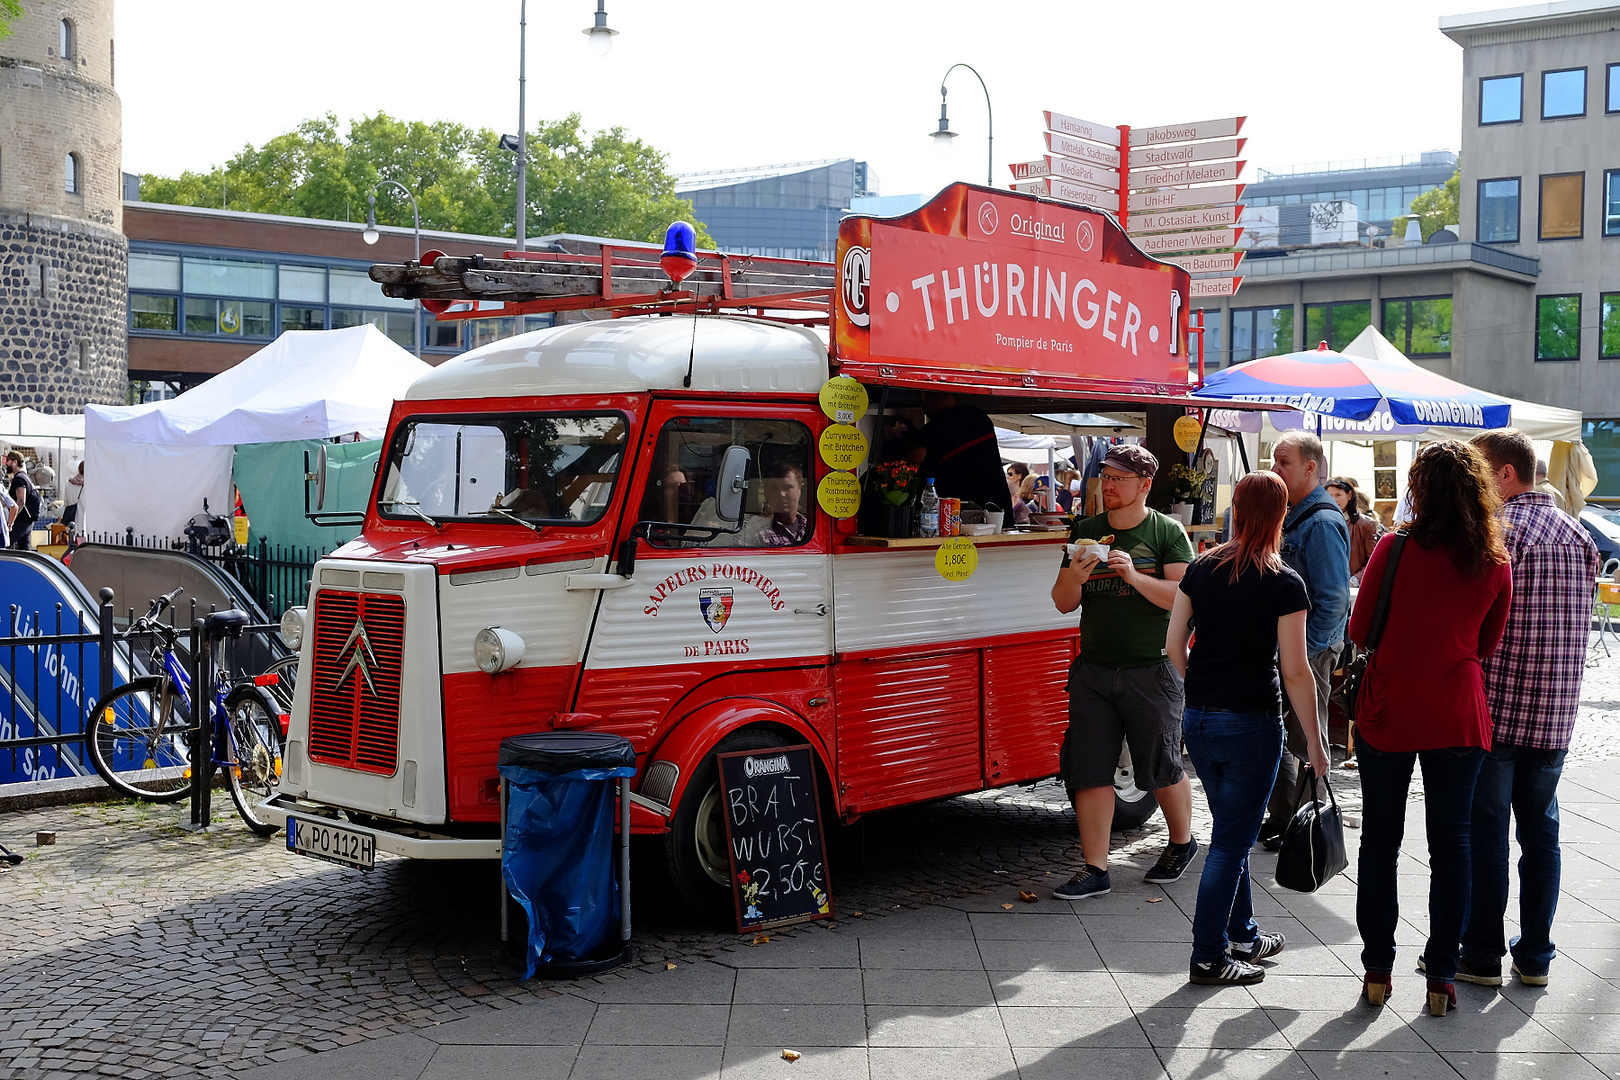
1115 478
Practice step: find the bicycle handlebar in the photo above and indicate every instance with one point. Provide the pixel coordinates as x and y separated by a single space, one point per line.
149 620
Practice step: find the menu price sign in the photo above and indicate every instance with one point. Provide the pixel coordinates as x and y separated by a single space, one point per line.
842 446
774 837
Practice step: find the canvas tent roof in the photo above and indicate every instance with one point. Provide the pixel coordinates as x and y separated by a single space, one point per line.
306 384
21 421
149 467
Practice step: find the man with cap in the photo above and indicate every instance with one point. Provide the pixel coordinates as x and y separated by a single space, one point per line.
1122 687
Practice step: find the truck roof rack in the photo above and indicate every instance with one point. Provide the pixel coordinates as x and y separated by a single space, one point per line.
625 278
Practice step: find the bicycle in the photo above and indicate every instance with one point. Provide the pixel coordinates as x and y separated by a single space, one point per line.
141 735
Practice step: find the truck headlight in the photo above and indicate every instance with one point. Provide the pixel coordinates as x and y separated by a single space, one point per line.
496 649
292 628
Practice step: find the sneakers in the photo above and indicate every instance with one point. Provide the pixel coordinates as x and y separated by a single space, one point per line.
1480 976
1172 864
1529 978
1267 944
1089 882
1227 971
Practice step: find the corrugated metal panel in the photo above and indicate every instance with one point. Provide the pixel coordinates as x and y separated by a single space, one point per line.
1026 708
359 642
550 620
891 599
908 729
715 607
632 701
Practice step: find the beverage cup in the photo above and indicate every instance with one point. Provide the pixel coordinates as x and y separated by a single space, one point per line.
995 518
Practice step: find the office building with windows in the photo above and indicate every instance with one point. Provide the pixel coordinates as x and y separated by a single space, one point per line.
1381 189
1524 299
209 287
788 211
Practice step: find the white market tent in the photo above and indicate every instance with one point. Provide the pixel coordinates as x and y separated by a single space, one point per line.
58 440
150 466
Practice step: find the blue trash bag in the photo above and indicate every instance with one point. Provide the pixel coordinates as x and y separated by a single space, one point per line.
557 859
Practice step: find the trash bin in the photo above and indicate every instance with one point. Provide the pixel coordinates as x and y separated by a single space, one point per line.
557 850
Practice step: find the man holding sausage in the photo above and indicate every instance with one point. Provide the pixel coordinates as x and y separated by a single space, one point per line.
1122 688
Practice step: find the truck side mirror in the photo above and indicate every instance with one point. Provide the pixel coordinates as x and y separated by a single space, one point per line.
728 494
320 478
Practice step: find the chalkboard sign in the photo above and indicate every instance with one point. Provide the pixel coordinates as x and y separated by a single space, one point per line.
774 837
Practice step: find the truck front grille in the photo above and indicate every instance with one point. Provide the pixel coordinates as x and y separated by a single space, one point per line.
354 701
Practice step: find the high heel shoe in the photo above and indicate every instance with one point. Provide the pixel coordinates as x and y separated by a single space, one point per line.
1377 987
1442 997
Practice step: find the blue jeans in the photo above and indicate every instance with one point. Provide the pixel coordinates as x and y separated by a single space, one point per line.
1448 801
1236 755
1524 779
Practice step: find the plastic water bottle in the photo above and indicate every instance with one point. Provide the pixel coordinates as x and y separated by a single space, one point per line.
929 504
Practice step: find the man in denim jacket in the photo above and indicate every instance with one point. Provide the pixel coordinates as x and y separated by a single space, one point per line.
1316 546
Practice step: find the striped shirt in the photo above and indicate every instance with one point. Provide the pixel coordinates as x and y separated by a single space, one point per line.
1533 682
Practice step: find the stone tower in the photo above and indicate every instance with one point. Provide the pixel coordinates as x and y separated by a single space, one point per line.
63 257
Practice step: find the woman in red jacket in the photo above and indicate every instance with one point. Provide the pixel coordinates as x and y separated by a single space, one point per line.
1423 702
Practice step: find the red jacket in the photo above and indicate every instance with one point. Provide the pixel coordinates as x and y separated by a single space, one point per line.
1425 689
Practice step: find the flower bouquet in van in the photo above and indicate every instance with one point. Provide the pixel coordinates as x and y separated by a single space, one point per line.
891 491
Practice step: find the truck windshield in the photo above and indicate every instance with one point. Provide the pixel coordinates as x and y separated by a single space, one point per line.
550 468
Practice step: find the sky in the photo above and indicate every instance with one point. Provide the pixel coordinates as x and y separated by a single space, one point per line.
724 84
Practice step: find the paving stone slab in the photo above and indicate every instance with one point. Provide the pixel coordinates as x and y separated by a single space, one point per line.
1027 925
501 1063
1039 955
557 1021
960 954
1212 1027
1361 1027
795 1025
913 987
958 1063
814 1063
659 1025
934 1026
799 986
1059 1025
647 1063
1067 1063
693 984
1082 989
1190 1063
1511 1066
399 1057
1374 1065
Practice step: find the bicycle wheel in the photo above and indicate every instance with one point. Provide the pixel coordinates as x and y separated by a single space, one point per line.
254 751
286 672
139 741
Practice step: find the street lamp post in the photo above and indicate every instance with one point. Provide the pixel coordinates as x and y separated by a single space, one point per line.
370 236
942 138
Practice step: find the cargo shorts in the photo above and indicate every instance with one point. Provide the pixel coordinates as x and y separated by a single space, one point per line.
1140 706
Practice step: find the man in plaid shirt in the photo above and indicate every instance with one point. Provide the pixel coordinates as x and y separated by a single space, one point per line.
1533 687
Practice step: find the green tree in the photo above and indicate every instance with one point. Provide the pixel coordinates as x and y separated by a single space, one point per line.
1436 208
10 11
606 184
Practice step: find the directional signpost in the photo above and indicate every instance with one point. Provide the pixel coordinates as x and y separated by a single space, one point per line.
1175 187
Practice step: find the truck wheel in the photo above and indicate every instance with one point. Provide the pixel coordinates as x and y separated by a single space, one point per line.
1132 805
695 847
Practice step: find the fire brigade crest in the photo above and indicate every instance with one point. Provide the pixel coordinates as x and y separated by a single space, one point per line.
716 607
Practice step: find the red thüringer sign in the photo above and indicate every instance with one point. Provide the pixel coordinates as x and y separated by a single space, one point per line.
1011 290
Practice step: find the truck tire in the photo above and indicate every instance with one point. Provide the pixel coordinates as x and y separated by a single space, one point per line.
1132 806
695 846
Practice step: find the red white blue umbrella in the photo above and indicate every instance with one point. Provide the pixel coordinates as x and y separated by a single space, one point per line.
1333 384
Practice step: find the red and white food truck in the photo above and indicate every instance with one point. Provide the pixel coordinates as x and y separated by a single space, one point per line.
565 531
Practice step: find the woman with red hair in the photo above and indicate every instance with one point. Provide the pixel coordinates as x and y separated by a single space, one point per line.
1249 610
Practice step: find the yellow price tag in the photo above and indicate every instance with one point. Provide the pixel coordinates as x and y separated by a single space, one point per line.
956 559
1186 432
839 494
842 446
843 399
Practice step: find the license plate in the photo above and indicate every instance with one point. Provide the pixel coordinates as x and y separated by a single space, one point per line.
319 840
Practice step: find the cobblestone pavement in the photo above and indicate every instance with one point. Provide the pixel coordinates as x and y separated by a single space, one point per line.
131 948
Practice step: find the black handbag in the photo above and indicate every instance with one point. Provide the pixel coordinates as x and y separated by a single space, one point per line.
1356 670
1312 844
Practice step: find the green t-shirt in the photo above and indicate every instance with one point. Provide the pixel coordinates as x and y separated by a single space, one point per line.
1119 627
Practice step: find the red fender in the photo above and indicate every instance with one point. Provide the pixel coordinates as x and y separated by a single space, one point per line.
697 734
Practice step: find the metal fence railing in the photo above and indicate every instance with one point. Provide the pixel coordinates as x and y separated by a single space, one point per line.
53 666
275 575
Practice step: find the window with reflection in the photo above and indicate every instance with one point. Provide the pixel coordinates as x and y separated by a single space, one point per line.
1558 328
158 313
1563 93
1498 211
1609 327
779 505
1258 332
1501 99
543 468
1336 324
1419 327
1611 203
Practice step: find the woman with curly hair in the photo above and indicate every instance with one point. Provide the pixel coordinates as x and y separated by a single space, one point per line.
1423 703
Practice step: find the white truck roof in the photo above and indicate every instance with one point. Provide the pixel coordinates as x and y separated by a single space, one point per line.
636 355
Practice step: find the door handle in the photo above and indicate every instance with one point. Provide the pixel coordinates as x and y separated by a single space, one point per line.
588 582
819 609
